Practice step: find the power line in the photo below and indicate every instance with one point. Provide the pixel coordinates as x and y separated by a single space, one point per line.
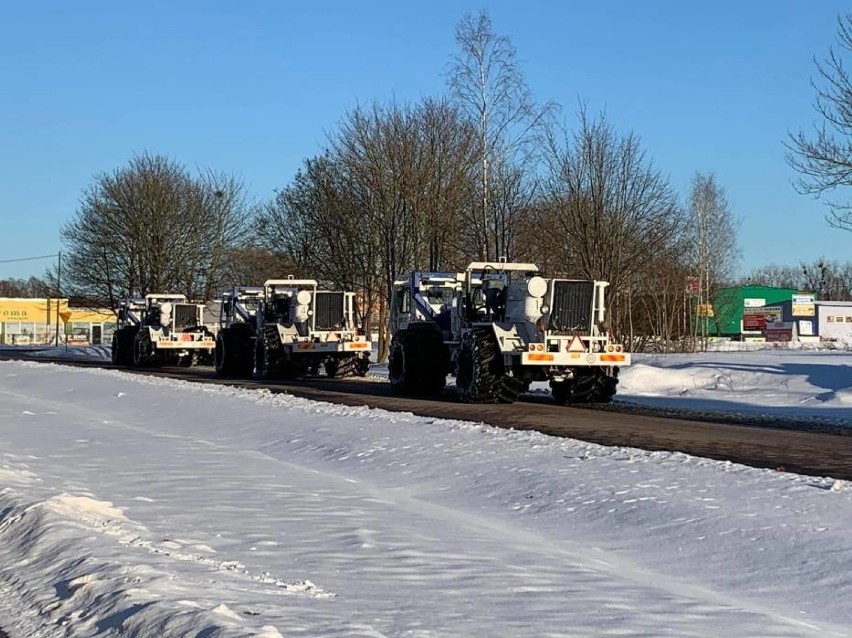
9 261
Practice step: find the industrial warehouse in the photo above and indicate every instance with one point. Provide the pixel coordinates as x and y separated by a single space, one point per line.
764 313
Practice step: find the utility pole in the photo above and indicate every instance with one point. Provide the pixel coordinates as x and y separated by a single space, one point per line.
58 294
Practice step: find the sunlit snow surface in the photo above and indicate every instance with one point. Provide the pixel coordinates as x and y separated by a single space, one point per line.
141 506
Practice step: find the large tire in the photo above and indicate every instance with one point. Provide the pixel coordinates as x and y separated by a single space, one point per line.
593 386
481 376
122 345
115 352
605 386
244 364
350 365
400 372
268 354
590 385
584 386
511 388
561 392
331 367
362 365
259 357
223 357
129 339
143 351
433 362
269 367
418 363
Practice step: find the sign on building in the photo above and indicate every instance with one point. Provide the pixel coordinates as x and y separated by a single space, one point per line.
693 285
803 306
754 322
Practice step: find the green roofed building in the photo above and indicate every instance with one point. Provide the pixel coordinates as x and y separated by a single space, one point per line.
730 304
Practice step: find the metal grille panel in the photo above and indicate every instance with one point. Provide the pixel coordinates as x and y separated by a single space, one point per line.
328 310
571 310
185 315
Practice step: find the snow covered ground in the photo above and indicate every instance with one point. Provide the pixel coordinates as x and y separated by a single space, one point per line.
141 506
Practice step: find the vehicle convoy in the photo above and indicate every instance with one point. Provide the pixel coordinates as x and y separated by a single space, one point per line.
499 327
165 329
301 329
129 317
235 338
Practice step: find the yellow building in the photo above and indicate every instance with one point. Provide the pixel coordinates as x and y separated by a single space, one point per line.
39 321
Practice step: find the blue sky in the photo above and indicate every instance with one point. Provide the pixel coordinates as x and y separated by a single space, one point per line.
253 88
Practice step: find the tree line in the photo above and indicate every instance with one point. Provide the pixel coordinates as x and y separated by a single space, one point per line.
481 173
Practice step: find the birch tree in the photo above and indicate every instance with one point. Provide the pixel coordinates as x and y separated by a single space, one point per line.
486 81
713 251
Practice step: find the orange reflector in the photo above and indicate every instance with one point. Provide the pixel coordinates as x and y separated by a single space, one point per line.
541 357
612 357
358 344
610 348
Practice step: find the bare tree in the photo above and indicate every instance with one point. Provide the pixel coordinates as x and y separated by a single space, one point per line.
713 242
32 287
225 206
611 213
487 82
827 279
824 158
315 228
381 158
251 265
381 202
449 159
773 275
152 227
409 169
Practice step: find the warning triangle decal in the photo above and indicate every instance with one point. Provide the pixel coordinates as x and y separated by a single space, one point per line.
576 345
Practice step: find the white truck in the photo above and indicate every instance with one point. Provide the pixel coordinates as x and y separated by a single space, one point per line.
171 331
504 327
301 328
